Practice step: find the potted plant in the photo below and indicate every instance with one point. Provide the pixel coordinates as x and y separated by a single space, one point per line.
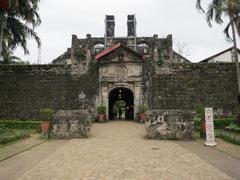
201 115
45 117
141 110
101 113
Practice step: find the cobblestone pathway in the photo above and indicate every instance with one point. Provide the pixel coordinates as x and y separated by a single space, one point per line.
118 150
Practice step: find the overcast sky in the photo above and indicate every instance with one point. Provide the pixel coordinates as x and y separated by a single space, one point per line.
62 18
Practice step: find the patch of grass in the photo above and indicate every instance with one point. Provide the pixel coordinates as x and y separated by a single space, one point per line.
228 136
10 135
233 128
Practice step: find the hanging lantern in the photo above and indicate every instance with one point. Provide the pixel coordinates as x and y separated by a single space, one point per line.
4 5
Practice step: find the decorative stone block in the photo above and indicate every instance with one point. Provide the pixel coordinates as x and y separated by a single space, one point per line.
170 124
71 124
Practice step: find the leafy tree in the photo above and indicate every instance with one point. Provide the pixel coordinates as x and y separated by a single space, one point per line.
19 21
217 9
9 58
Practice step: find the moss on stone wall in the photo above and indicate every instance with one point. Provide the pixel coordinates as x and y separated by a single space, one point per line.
26 89
183 86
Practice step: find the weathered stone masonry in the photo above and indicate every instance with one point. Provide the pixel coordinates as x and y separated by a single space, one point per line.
26 89
183 86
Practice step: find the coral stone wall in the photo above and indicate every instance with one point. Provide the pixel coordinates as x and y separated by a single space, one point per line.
183 86
26 89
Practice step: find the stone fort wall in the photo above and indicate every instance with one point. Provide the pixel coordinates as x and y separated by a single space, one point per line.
26 89
183 86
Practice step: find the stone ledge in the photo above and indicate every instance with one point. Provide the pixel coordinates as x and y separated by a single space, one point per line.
71 124
169 124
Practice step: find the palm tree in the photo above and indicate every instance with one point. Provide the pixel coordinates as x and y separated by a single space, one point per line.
217 9
9 58
18 23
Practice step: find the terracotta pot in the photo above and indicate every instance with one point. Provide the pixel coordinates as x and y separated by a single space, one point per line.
142 117
101 117
203 129
45 126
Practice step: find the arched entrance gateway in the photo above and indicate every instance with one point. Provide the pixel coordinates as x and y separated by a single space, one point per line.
120 81
121 104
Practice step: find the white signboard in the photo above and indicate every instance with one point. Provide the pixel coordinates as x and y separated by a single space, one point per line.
210 140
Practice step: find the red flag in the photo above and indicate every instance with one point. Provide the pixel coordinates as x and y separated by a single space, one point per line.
4 5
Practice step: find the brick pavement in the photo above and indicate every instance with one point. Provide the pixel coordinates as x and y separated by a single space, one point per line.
118 150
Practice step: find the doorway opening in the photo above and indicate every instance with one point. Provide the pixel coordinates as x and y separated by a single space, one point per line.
121 104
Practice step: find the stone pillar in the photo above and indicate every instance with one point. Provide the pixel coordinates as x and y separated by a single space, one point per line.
137 97
170 48
109 30
132 33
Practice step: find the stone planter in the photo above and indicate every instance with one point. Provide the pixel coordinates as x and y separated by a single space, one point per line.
169 124
71 124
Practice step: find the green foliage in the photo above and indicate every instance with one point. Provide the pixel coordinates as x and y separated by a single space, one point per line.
223 122
101 109
46 114
159 62
200 111
219 123
217 10
19 124
233 127
142 108
228 136
2 129
11 130
19 25
10 136
119 105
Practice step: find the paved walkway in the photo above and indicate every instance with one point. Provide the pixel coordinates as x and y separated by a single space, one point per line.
118 150
16 166
18 147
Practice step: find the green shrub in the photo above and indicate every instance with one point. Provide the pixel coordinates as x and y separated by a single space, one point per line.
11 136
101 109
2 129
46 114
196 123
233 128
230 137
200 112
20 124
142 108
219 123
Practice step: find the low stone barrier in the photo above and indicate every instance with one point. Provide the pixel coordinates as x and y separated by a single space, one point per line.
171 124
70 124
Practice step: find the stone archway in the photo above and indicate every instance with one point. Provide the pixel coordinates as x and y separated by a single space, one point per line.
121 94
